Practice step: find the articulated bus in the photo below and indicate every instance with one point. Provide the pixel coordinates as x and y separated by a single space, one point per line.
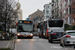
25 29
54 24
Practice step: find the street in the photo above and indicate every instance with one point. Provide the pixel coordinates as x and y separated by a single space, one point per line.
38 44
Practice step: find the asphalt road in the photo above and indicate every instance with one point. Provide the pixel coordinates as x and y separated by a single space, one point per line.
38 44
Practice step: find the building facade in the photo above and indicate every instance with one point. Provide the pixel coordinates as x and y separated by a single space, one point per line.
19 12
73 11
55 9
47 11
66 11
37 16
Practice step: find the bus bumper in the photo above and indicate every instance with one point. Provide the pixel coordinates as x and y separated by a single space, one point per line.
24 36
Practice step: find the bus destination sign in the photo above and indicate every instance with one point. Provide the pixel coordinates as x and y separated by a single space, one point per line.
25 21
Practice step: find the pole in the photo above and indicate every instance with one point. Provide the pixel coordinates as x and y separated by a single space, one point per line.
5 18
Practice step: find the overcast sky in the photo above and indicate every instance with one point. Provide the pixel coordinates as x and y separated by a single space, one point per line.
30 6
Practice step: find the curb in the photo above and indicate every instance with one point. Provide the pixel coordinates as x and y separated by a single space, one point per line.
11 44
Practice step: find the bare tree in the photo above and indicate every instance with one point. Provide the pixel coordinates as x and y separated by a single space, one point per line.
7 11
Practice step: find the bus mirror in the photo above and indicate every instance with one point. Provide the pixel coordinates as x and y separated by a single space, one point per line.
16 23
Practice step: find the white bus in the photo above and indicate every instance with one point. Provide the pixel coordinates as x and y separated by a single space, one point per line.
55 24
25 29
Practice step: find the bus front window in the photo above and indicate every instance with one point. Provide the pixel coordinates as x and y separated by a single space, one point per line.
25 27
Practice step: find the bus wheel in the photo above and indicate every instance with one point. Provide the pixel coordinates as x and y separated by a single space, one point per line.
18 37
31 37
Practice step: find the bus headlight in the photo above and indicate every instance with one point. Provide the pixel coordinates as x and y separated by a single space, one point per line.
43 33
31 34
18 34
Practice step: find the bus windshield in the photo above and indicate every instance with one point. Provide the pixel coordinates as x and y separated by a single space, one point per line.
56 23
25 27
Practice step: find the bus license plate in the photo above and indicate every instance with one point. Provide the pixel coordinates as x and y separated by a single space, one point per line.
24 35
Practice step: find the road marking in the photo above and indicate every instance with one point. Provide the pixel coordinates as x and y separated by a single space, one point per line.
34 40
8 44
15 47
57 47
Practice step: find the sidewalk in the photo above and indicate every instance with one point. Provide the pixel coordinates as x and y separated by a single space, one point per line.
7 44
4 43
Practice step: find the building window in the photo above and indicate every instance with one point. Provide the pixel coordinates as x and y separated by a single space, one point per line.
69 20
48 6
67 11
60 14
64 12
52 1
73 10
47 12
70 2
18 12
70 10
73 20
47 16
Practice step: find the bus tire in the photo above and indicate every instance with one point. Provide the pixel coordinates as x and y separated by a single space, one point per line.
18 37
31 37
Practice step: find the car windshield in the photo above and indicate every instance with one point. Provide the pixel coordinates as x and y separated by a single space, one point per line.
71 33
25 27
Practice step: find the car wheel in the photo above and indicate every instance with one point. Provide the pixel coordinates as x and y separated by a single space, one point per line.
60 43
49 40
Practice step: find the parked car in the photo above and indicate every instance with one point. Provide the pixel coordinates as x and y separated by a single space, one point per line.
68 38
13 31
54 36
35 33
